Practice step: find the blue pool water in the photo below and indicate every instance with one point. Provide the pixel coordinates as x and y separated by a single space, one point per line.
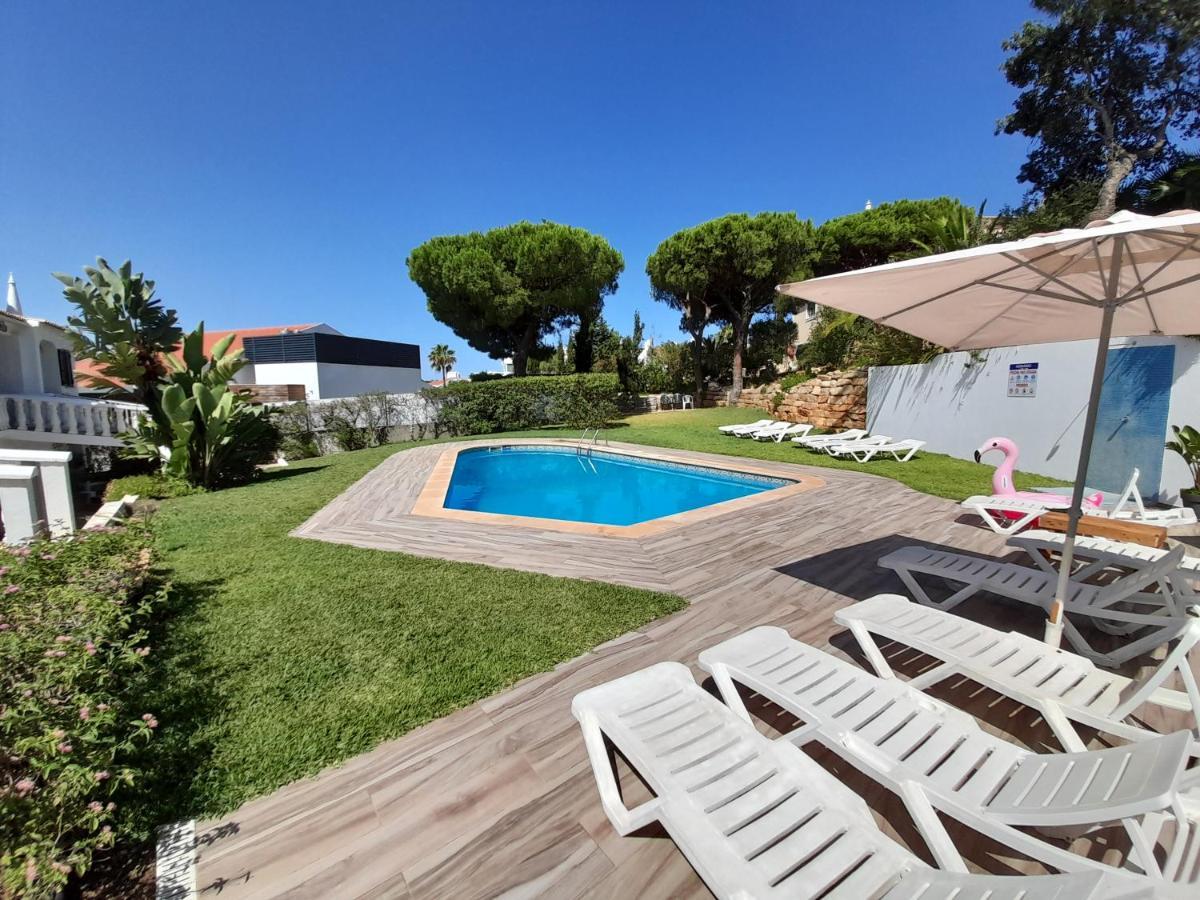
604 488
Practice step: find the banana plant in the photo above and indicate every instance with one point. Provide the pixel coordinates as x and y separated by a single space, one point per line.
1187 445
208 435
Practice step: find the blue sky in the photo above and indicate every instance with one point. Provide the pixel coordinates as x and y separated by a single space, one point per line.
272 163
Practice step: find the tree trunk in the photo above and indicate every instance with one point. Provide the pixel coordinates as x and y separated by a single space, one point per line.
524 346
698 364
739 347
1115 173
583 345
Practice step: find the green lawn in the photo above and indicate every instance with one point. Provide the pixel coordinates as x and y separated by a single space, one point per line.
288 655
931 473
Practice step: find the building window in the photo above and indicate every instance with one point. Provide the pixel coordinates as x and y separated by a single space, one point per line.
810 311
66 368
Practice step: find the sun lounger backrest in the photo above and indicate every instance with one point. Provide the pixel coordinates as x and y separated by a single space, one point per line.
1135 581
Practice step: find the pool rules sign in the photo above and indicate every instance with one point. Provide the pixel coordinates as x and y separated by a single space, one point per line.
1022 380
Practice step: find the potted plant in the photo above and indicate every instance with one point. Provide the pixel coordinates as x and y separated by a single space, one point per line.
1187 445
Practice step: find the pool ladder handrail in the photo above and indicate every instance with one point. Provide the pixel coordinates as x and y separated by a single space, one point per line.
584 445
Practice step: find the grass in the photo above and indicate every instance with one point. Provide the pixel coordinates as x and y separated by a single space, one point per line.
930 473
287 655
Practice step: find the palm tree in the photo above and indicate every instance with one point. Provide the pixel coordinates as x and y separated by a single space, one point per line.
442 358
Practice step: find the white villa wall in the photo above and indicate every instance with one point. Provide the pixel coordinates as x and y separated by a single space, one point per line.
304 373
340 380
955 406
21 358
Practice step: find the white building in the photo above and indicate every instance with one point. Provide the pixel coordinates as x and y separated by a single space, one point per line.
40 406
318 362
44 423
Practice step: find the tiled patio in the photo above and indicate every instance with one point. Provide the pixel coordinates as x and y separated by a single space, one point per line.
497 798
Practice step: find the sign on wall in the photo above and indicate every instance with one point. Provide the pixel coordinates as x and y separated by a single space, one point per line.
1022 380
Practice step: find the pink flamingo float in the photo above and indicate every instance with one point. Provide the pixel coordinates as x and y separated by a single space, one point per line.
1002 483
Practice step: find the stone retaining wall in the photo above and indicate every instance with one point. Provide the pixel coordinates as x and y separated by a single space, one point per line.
831 400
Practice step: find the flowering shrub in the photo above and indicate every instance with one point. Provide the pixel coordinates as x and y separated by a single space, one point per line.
73 615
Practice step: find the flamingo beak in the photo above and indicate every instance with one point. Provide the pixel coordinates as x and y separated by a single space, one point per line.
978 456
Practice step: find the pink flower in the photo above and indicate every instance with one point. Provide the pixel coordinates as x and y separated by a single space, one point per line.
49 557
103 707
58 734
61 868
64 747
12 589
4 626
111 806
102 775
85 713
90 648
31 872
24 786
3 571
150 721
107 829
143 651
27 693
57 654
21 552
96 806
63 639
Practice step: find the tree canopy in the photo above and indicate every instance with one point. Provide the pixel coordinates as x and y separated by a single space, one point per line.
885 233
504 290
1105 87
730 266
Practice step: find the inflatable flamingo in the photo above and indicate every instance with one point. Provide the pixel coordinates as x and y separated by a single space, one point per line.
1002 483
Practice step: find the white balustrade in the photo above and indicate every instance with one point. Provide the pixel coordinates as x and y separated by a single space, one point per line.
96 422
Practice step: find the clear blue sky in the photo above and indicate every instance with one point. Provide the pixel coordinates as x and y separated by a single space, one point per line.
271 163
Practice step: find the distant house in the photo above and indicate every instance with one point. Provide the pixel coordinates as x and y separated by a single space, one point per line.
314 361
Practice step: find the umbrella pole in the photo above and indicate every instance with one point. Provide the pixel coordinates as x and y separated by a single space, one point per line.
1054 623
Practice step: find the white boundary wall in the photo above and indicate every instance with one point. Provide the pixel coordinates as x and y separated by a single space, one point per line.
955 404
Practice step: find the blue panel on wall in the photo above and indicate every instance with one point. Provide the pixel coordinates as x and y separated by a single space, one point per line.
1131 425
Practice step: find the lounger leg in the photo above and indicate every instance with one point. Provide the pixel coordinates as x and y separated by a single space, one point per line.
921 596
729 692
1141 849
1062 728
871 650
624 820
931 828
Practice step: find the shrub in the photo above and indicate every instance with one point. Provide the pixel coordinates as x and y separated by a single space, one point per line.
791 379
297 431
517 404
73 618
155 486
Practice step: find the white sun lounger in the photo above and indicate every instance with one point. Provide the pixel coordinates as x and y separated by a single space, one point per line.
769 431
759 818
1099 553
873 440
792 431
938 759
816 441
1063 686
753 426
1129 505
902 451
992 510
1120 605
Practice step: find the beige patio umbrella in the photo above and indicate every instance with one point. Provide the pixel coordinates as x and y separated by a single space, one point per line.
1126 275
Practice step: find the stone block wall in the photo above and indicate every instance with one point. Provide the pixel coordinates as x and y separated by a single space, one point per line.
830 400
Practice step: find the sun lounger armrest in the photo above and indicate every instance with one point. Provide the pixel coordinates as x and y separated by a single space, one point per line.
623 819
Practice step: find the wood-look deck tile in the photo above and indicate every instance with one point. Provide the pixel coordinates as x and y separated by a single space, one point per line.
499 798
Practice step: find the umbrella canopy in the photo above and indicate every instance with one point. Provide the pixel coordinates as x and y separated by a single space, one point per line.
1048 287
1126 275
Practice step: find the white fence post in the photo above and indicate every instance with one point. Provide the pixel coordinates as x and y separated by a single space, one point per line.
58 506
18 502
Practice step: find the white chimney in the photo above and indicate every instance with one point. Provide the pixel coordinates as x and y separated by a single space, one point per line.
13 302
868 206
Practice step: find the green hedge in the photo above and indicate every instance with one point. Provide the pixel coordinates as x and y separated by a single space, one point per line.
73 645
517 404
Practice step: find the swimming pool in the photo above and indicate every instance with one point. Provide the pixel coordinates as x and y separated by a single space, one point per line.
601 487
